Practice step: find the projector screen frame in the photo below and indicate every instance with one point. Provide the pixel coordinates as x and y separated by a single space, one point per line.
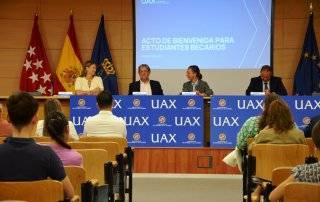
134 69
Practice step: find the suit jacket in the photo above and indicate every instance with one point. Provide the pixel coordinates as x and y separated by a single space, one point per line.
276 85
202 87
155 87
309 127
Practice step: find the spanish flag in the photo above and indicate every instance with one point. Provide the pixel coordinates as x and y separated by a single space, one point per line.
69 66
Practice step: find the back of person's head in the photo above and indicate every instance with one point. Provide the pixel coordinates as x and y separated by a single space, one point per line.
147 67
58 129
22 108
196 70
51 105
316 135
266 68
105 100
267 101
279 116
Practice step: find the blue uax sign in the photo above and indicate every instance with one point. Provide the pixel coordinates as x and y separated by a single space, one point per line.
152 121
228 113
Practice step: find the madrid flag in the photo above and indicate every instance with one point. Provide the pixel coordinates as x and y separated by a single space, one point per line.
69 66
36 73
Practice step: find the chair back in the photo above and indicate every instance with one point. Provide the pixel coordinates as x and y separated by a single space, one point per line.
271 156
120 140
280 174
112 147
299 191
77 176
311 146
44 190
93 163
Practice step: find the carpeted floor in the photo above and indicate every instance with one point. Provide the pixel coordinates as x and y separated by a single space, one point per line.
186 188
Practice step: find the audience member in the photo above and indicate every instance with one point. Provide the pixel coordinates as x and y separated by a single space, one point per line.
253 125
21 159
53 105
58 129
308 129
5 127
280 127
301 173
105 123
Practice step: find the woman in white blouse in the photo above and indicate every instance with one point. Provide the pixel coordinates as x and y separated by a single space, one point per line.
53 105
88 83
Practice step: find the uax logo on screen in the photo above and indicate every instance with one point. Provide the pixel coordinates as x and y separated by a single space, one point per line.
163 138
136 120
187 121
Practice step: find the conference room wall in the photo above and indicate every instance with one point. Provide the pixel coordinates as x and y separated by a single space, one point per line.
16 17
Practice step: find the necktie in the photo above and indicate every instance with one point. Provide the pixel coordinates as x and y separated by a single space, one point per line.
194 87
266 87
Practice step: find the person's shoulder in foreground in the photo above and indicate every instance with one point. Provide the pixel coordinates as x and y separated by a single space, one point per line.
24 160
69 157
249 129
20 158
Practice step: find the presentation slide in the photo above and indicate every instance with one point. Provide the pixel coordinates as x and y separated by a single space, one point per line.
213 34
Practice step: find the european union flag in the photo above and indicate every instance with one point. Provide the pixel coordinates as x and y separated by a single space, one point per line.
102 57
307 76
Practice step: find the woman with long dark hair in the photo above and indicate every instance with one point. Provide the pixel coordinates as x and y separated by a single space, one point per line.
57 126
195 83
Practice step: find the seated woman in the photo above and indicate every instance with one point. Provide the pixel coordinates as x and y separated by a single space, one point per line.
280 127
88 83
195 83
53 105
253 125
57 126
301 173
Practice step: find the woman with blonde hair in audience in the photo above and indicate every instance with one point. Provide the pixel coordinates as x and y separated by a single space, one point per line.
280 127
56 125
53 105
249 129
253 125
301 173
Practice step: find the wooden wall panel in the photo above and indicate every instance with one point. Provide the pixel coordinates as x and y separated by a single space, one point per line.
291 18
289 30
182 160
16 18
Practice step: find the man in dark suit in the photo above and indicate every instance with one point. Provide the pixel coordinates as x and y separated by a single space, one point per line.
266 82
151 87
308 129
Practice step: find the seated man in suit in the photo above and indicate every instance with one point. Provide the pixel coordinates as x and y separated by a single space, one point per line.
308 129
266 82
151 87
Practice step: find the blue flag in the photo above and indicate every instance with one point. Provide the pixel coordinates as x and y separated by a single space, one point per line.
307 76
102 57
